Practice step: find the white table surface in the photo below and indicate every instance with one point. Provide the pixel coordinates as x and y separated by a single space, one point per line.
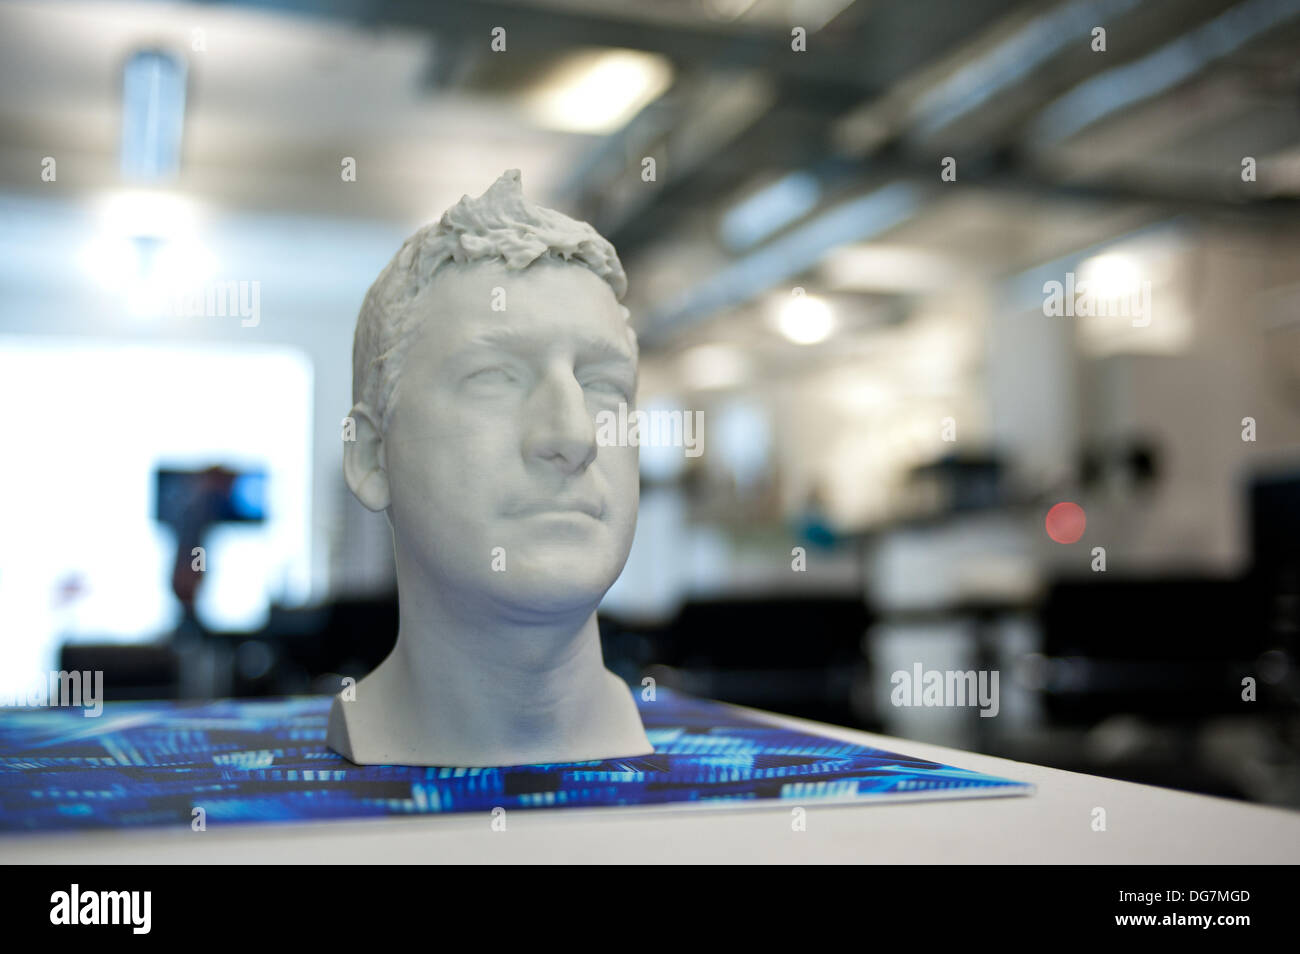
1145 825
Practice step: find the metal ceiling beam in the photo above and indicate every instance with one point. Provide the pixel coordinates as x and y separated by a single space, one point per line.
859 48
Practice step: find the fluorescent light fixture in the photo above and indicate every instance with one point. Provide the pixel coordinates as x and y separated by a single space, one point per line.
805 319
1138 304
147 213
796 251
598 91
147 248
769 209
153 115
1111 275
145 272
713 366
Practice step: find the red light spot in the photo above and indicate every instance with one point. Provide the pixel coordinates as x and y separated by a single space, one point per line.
1065 522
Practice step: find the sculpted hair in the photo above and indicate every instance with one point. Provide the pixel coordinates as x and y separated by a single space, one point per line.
500 225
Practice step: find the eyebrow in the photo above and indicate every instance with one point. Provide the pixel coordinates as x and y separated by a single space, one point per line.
518 340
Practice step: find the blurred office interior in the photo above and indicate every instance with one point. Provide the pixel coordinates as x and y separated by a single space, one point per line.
838 254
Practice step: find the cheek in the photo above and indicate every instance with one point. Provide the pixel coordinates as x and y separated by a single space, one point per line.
622 474
453 449
431 493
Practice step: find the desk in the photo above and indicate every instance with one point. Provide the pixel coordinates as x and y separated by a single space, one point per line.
1145 825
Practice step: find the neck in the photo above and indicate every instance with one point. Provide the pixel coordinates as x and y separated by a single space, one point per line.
517 682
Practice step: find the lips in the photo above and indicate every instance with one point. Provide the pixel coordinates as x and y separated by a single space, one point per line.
560 505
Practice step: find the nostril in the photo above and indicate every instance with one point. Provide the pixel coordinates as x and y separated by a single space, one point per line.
568 453
561 430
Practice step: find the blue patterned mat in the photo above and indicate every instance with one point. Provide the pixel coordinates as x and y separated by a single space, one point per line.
153 763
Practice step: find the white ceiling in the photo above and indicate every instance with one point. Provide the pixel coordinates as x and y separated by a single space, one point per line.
338 91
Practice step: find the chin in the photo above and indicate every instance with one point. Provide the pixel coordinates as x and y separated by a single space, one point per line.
558 582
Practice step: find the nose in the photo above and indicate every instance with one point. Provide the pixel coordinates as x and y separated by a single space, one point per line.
560 430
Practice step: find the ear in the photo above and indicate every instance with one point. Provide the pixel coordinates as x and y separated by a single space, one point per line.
363 460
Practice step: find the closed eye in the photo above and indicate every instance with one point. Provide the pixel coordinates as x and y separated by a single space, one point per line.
610 386
492 375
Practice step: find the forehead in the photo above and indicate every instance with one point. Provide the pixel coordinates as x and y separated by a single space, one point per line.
553 303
